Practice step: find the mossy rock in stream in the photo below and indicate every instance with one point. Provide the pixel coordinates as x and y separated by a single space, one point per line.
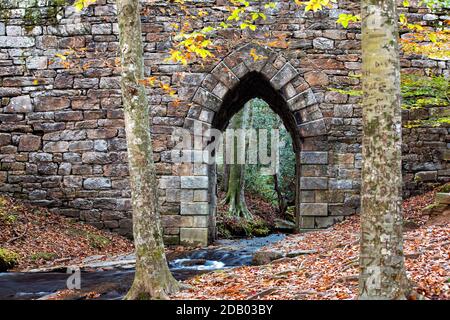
229 227
8 259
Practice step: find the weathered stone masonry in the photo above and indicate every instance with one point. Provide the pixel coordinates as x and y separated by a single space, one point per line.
62 140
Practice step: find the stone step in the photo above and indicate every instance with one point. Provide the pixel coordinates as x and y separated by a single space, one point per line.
443 197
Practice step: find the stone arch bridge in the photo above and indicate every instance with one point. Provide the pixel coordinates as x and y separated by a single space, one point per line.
62 140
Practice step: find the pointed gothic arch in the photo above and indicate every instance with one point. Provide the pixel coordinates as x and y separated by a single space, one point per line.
253 71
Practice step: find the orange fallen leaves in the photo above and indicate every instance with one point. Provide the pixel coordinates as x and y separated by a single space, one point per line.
331 273
58 237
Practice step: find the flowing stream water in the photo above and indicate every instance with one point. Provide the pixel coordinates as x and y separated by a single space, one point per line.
113 284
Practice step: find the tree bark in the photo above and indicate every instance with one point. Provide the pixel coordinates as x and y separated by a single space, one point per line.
382 270
282 206
226 176
235 196
153 279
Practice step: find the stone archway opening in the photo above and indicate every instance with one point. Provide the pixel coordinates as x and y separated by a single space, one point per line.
252 86
222 92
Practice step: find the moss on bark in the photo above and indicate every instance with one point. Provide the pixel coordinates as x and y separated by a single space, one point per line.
153 279
383 274
236 178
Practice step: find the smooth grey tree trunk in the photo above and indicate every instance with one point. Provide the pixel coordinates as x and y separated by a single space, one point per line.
235 196
153 279
382 270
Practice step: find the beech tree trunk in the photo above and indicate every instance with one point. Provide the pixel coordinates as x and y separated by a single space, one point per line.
235 197
282 203
153 279
226 176
382 270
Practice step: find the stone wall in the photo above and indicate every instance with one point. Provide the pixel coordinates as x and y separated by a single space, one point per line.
426 155
62 139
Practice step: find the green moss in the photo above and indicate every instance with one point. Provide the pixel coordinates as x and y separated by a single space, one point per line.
144 296
95 241
372 126
8 259
431 206
350 92
7 215
240 227
43 256
98 242
428 93
223 231
8 218
56 6
34 15
5 11
445 188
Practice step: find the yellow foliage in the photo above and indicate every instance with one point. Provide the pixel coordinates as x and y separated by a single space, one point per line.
61 56
256 56
81 4
315 5
202 13
344 19
166 87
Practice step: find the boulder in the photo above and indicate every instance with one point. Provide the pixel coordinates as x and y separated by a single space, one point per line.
193 262
297 253
265 257
410 225
443 198
439 211
284 225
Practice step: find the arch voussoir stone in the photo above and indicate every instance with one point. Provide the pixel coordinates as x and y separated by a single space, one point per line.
313 128
302 100
308 114
283 76
207 99
224 74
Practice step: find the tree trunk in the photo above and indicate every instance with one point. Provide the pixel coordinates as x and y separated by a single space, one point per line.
153 279
382 270
282 206
235 197
226 176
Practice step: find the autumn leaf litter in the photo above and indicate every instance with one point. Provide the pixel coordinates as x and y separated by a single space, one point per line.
332 272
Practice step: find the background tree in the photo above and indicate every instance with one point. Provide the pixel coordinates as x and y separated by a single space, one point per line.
153 279
382 270
235 197
277 189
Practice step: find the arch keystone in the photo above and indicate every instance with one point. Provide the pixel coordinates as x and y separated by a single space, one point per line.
254 56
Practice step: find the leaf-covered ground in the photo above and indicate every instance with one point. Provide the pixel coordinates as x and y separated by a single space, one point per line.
41 238
332 273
